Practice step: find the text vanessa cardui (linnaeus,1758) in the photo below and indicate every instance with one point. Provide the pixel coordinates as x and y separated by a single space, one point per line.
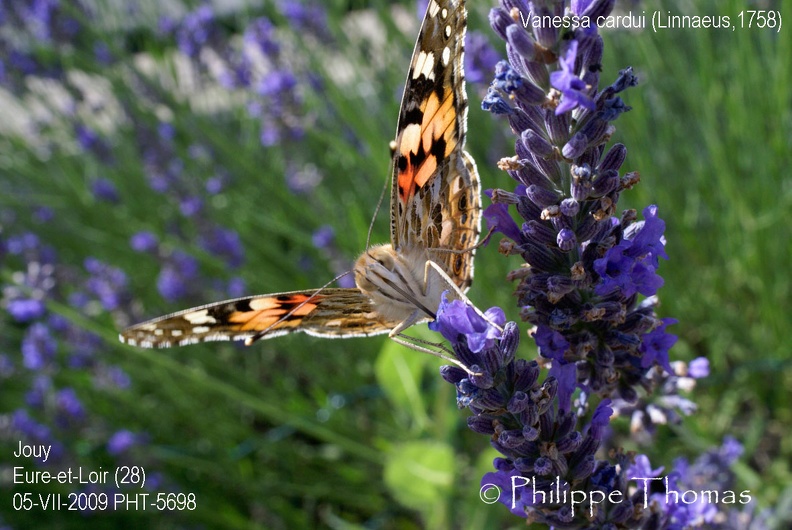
435 223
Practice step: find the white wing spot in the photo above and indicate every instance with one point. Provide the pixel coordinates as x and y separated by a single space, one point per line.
176 332
424 65
444 13
433 8
159 332
446 55
199 317
200 329
448 32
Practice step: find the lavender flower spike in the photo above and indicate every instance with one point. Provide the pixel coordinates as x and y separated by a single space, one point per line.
580 288
586 268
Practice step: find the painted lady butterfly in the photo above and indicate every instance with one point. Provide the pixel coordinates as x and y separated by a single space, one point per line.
435 224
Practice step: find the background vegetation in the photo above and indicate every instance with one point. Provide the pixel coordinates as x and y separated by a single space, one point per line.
111 129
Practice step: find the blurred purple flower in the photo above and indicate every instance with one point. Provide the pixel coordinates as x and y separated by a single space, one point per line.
38 347
26 309
19 244
323 237
36 432
107 283
191 206
225 243
166 131
176 276
214 185
43 214
303 15
698 368
36 395
480 58
276 82
195 30
121 442
69 405
102 53
236 288
261 33
105 190
7 368
144 242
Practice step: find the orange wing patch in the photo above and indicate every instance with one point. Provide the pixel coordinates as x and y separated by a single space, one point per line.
267 312
422 145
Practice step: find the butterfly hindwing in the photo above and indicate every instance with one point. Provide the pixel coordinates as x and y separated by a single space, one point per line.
325 313
435 201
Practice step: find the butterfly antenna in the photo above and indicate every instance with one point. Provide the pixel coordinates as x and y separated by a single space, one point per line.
250 340
379 202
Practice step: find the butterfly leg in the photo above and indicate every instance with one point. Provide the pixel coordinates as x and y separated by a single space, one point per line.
405 340
423 346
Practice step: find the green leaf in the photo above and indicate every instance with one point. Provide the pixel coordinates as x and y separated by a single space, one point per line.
398 370
420 474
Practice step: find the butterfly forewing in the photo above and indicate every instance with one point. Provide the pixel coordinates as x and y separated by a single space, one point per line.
325 313
435 197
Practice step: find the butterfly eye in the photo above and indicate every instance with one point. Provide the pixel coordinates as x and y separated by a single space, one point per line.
386 260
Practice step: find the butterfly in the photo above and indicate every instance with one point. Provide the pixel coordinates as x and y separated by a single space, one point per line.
435 224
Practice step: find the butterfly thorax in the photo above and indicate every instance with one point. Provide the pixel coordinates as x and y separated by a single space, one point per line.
395 282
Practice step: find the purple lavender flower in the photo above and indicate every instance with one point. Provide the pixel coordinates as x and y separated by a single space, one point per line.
196 30
21 244
40 387
215 185
458 318
144 242
70 408
105 190
261 34
38 347
225 243
580 290
191 206
586 267
90 142
121 442
107 283
686 499
236 288
46 20
323 237
276 82
43 214
698 368
38 433
176 276
102 53
26 309
573 88
480 58
309 16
